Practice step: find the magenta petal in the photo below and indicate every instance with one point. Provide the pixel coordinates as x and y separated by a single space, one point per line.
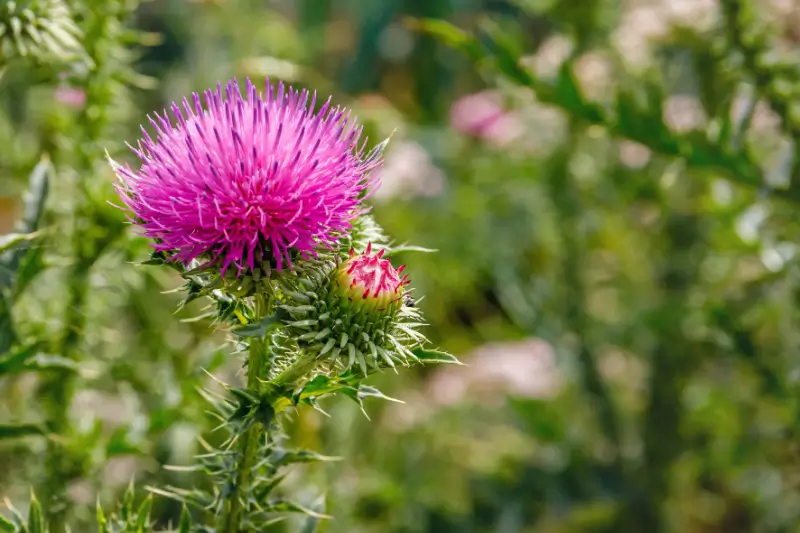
246 175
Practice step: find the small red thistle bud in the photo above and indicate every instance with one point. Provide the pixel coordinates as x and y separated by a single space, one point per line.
372 278
355 313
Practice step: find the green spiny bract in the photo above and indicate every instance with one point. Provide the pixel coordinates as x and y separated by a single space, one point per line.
353 313
365 232
39 28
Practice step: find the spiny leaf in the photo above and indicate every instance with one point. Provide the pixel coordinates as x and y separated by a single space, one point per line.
435 356
14 241
185 524
291 507
408 248
258 329
285 457
143 514
126 511
35 518
101 519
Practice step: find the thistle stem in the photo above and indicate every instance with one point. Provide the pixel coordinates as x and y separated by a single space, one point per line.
231 517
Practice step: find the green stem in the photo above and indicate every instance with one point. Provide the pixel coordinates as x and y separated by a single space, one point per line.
231 517
102 30
567 200
58 390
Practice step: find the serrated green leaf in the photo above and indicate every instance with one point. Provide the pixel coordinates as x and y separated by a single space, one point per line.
35 517
258 329
16 431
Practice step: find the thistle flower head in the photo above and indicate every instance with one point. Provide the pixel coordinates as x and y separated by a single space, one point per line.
248 179
354 313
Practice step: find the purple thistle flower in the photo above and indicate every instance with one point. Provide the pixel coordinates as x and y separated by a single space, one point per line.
248 177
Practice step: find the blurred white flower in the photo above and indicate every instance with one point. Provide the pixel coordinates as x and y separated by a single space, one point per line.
408 172
700 15
634 155
638 28
684 113
595 75
550 56
90 405
764 119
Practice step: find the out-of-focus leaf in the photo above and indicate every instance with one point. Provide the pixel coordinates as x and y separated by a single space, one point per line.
35 517
15 431
102 522
6 525
185 524
16 246
119 444
15 360
449 34
15 241
143 514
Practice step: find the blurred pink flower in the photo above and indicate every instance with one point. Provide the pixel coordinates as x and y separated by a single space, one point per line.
482 115
408 172
71 97
524 368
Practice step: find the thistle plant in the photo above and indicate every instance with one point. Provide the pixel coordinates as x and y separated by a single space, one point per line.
42 29
258 201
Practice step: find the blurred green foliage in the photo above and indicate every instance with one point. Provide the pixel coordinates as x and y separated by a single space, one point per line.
611 188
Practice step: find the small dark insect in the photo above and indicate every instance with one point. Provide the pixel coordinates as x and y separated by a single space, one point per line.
409 301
